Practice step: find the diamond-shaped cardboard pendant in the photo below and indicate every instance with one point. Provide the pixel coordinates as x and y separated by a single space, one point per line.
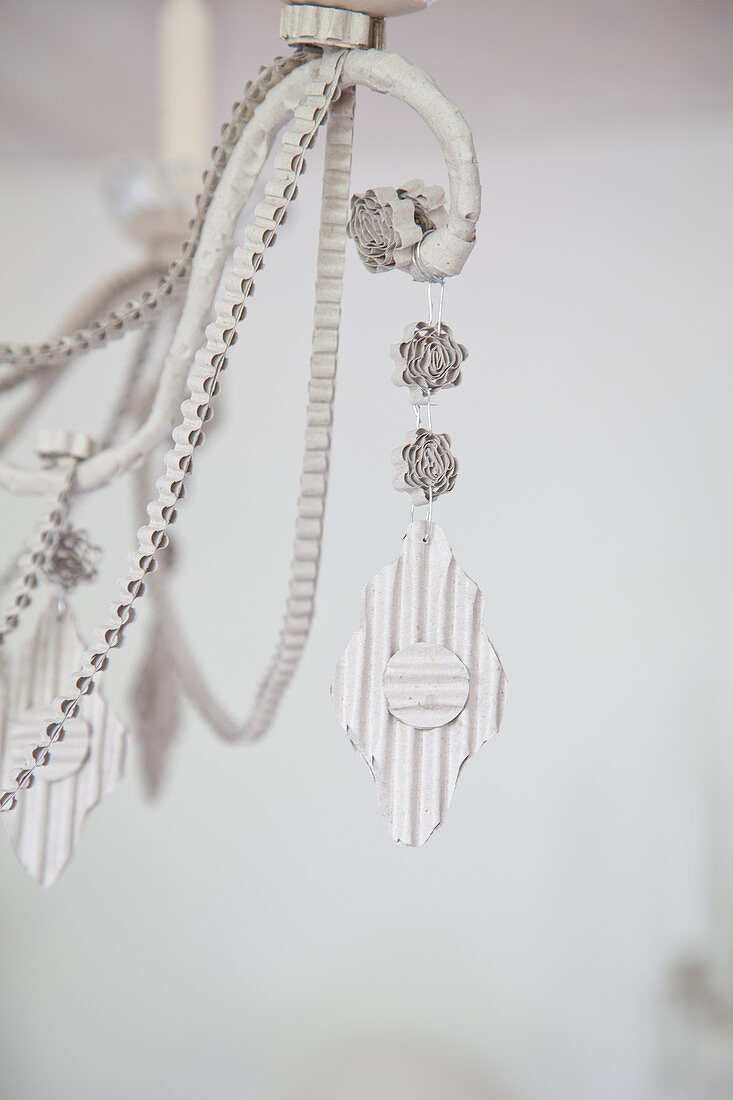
44 826
419 687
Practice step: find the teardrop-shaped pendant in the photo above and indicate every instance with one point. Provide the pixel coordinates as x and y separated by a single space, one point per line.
419 687
44 826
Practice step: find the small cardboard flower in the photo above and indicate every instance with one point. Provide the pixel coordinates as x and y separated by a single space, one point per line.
386 223
383 228
74 559
426 466
428 358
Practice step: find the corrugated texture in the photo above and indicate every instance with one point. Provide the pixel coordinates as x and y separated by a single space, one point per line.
135 313
314 472
319 417
423 596
45 826
324 26
203 384
426 685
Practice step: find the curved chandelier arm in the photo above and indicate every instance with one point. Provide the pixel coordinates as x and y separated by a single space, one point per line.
386 73
453 246
203 385
304 567
443 253
238 179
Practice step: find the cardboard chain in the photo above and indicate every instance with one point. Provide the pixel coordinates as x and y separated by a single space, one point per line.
203 384
314 470
41 385
443 252
30 358
208 266
311 504
119 288
319 416
393 75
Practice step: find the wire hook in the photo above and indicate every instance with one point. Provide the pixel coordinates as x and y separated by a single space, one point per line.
429 523
431 280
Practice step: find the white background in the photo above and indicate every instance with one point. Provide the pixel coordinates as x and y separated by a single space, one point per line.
255 934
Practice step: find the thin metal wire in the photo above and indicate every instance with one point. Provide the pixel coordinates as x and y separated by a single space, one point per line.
417 259
417 409
430 515
431 280
441 298
429 425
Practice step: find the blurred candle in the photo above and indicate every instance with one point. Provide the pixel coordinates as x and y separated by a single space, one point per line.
185 77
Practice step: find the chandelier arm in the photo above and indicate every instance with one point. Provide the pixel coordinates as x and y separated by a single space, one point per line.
135 313
196 409
304 568
314 471
238 180
443 253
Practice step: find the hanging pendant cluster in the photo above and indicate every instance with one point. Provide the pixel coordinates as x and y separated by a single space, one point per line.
428 359
45 826
419 688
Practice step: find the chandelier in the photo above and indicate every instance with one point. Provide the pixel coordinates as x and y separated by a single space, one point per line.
418 688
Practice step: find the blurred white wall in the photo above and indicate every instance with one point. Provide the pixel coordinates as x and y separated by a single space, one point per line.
256 934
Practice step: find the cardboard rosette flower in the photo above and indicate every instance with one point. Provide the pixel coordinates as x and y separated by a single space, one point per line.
74 559
387 222
428 358
425 466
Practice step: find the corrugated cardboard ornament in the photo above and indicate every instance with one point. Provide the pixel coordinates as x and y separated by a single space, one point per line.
419 687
